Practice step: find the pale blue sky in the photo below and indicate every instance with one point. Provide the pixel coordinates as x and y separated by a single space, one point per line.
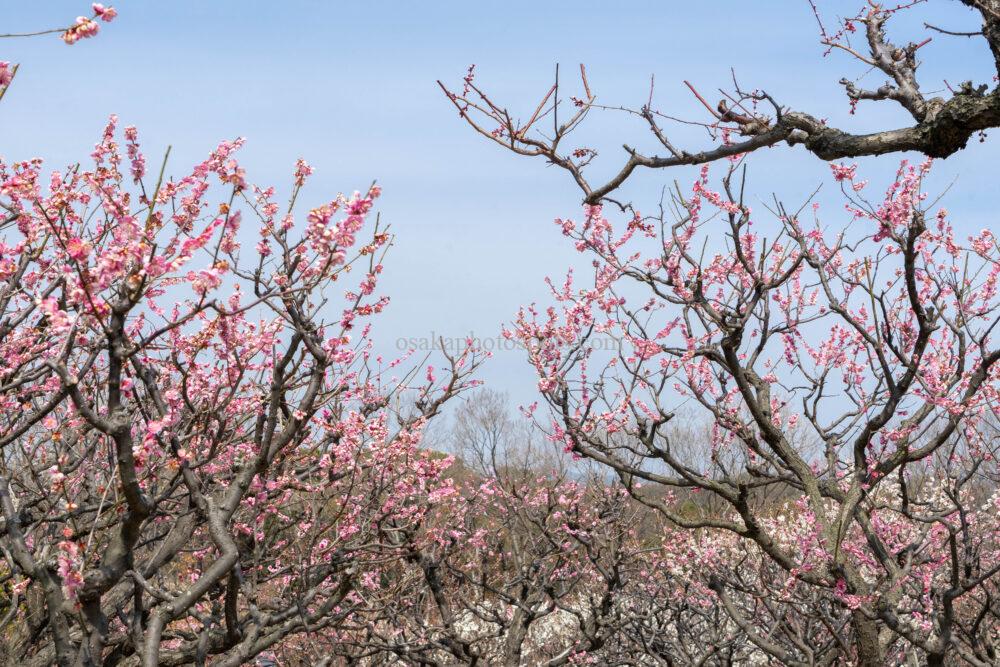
351 87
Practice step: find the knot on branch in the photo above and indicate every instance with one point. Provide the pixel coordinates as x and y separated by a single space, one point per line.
749 125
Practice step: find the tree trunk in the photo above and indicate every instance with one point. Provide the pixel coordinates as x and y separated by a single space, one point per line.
866 640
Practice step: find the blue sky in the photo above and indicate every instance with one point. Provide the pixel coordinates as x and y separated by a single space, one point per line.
351 87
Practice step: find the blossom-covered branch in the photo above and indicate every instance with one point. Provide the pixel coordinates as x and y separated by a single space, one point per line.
198 460
82 28
848 384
